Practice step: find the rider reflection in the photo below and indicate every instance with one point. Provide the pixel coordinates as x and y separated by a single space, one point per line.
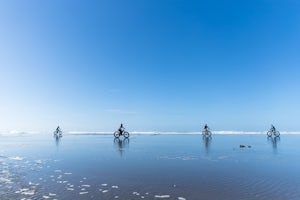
207 142
57 139
274 141
121 144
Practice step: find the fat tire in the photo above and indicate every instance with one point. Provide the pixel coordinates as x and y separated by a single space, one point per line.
269 133
126 134
117 134
206 133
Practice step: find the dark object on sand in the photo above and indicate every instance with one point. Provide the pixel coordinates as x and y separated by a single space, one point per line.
245 146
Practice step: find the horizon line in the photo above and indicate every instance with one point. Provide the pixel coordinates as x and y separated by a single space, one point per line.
11 133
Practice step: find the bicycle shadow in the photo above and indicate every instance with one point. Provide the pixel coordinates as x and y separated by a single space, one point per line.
121 144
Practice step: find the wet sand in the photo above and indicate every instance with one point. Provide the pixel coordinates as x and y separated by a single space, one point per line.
149 167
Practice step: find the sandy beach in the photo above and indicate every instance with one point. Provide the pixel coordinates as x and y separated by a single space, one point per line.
149 167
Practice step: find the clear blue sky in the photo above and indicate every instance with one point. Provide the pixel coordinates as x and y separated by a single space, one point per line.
152 65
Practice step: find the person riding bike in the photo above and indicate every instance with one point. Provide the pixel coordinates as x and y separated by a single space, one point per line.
206 128
273 129
58 129
121 129
206 132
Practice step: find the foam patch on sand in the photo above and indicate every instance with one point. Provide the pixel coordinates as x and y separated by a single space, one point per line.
40 161
25 191
85 185
5 180
17 158
179 158
83 193
162 196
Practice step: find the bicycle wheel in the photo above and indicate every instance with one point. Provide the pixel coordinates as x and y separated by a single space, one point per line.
208 133
117 134
126 134
277 133
269 133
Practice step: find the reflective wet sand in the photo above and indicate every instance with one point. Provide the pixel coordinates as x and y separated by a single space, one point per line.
149 167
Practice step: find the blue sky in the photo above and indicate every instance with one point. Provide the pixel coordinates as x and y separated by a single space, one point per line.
152 65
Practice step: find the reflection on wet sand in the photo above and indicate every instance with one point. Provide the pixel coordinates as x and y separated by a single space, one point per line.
207 141
121 144
90 167
274 141
57 139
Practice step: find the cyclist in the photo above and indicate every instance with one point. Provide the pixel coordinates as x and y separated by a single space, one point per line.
206 128
58 129
121 129
273 129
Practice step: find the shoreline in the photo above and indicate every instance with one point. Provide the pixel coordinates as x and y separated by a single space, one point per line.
22 133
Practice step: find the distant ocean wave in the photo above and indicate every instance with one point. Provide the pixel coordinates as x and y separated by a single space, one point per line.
24 133
18 133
